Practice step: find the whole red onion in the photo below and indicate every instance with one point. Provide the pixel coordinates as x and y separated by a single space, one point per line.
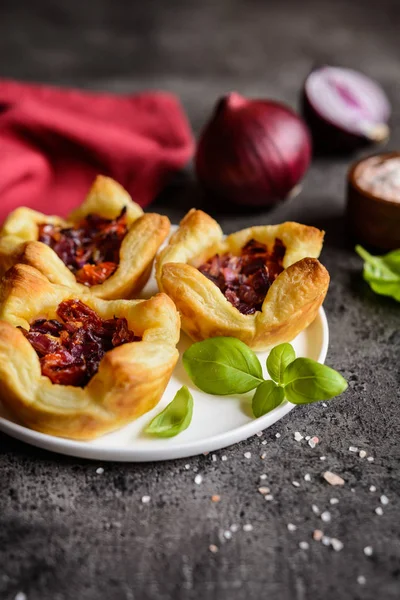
252 152
344 109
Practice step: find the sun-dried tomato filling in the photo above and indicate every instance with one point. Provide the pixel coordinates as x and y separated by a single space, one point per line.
70 349
89 249
245 280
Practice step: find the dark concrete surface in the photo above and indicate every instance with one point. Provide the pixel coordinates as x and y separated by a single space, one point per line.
68 533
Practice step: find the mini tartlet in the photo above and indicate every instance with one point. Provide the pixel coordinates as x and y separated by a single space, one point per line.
133 238
130 379
296 290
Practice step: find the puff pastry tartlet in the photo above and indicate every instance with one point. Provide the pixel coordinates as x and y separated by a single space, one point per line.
107 245
70 340
262 285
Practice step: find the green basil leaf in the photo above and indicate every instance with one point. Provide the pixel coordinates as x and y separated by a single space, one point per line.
279 358
267 397
307 381
223 366
175 417
382 272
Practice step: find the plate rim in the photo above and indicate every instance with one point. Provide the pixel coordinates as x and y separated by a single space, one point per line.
80 449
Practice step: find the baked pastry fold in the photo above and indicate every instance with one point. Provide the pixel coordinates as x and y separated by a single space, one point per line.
291 302
130 380
145 233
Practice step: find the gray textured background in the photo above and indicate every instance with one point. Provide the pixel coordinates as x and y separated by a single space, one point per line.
67 533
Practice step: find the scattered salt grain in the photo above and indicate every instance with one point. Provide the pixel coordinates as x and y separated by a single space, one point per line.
295 483
384 500
368 551
312 442
326 516
215 498
291 527
21 596
224 458
248 527
334 501
146 499
361 580
308 437
187 467
234 528
332 478
353 491
336 544
247 455
264 490
214 457
317 535
99 471
370 459
315 509
307 477
353 449
213 548
304 545
264 442
263 476
269 497
277 435
324 404
379 511
322 458
372 488
297 436
198 479
362 454
326 540
227 534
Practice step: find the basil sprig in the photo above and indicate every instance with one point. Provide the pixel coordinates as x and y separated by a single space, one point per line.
382 272
223 366
175 417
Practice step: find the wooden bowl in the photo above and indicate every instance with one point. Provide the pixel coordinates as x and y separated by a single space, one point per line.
373 219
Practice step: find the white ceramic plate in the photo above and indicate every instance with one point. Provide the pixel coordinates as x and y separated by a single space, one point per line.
218 421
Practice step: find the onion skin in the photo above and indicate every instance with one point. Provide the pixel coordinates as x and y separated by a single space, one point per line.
252 152
330 138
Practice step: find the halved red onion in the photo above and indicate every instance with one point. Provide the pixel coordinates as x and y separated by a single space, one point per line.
344 109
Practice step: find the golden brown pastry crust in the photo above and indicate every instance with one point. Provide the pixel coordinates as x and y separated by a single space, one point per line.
290 305
18 241
131 378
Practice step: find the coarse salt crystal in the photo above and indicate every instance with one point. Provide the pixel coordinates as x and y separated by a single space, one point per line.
215 498
146 499
379 511
324 404
326 540
312 442
372 488
304 545
326 516
248 527
370 459
234 528
247 455
291 527
322 458
307 477
214 457
336 544
277 435
264 490
334 501
362 454
227 534
368 551
353 491
264 442
353 449
315 509
269 497
317 535
20 596
198 479
263 476
295 483
224 458
332 478
187 467
361 580
213 548
99 471
308 437
384 499
297 436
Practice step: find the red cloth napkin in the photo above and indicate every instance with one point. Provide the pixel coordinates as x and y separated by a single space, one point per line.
53 142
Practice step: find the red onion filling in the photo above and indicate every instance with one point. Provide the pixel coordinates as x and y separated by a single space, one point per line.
89 249
70 349
245 280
